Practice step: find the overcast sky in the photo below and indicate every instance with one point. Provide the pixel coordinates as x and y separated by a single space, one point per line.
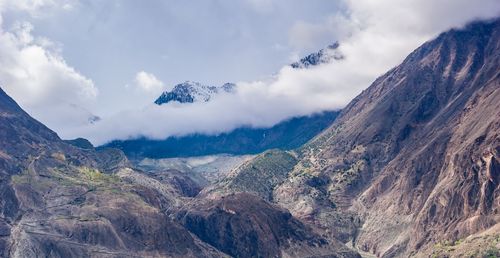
210 41
63 60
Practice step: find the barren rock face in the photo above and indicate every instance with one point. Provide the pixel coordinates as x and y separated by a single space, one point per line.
62 201
413 161
243 225
416 154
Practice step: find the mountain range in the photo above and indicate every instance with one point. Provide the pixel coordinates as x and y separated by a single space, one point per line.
409 168
286 135
190 91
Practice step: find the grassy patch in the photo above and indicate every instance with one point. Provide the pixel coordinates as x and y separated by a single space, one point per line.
263 173
96 176
20 179
59 156
484 246
346 177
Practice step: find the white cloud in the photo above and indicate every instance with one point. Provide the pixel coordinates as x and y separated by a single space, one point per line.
374 36
35 74
36 8
147 82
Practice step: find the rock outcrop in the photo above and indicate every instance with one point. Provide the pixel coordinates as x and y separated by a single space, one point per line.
243 225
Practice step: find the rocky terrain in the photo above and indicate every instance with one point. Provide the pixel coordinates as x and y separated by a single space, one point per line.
62 201
411 166
210 168
66 199
255 229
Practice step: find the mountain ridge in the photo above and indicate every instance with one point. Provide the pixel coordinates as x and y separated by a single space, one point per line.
411 162
190 92
240 141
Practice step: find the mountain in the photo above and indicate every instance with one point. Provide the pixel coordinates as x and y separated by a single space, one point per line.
66 199
63 201
286 135
323 56
411 166
189 92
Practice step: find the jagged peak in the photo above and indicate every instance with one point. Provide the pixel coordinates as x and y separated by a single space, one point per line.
191 91
323 56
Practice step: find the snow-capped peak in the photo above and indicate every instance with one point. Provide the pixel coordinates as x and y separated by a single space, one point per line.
323 56
189 92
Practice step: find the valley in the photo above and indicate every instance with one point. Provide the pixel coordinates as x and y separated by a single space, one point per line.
409 168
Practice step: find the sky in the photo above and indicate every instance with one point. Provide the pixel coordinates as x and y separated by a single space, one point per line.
67 60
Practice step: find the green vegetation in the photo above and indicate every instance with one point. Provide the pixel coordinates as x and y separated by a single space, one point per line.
483 246
344 178
263 173
95 176
20 179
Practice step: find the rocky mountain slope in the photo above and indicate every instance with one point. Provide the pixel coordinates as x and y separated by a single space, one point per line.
411 166
65 199
62 201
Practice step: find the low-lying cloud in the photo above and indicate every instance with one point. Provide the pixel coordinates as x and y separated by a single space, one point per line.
374 36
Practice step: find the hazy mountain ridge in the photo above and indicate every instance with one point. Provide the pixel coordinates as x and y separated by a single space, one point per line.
286 135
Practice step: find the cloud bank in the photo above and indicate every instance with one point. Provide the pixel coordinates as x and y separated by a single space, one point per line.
374 36
35 74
